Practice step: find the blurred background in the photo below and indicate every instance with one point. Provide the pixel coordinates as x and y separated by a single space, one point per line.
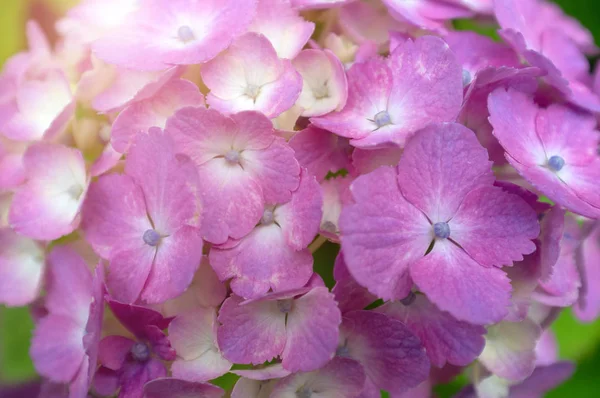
578 342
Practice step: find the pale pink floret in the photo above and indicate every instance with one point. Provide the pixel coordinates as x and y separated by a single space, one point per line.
388 101
427 14
324 87
163 33
391 355
154 111
300 326
274 254
433 196
194 336
65 343
259 382
555 148
340 378
250 76
108 88
47 206
146 222
12 173
21 268
446 339
242 166
510 349
283 26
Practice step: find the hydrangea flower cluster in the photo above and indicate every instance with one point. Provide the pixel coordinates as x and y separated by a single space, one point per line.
168 168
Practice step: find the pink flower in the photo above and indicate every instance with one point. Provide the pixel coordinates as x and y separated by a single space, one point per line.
287 31
65 343
47 206
588 305
162 33
427 14
130 364
21 268
250 76
274 254
242 166
154 111
258 382
389 101
300 326
432 196
146 222
392 357
555 148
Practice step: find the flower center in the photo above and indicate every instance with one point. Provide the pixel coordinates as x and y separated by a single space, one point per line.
285 306
382 119
304 392
151 237
232 156
321 92
185 34
140 352
252 91
556 163
466 77
75 191
268 217
441 230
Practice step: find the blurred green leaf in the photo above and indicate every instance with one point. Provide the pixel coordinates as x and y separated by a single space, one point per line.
15 334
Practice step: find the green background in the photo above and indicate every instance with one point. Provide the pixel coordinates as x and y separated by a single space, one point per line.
578 342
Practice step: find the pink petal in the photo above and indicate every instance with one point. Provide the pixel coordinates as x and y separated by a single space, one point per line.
262 260
325 87
456 283
283 26
169 181
300 218
21 268
174 388
348 293
543 379
433 173
509 349
426 14
47 206
107 160
588 307
392 357
552 228
320 151
317 4
340 378
57 347
193 335
366 161
251 333
136 318
446 339
164 33
312 329
138 117
269 372
382 234
336 193
113 351
494 227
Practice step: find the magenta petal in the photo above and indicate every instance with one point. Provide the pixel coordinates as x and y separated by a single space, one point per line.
312 330
340 378
393 357
432 172
135 318
252 332
135 375
113 351
175 388
543 379
446 339
382 234
456 283
348 293
494 227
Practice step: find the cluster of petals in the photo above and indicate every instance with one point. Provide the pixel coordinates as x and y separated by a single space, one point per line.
300 198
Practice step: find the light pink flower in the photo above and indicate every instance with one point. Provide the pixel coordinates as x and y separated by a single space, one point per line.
274 254
47 206
554 149
388 101
300 326
162 33
427 14
242 166
146 222
250 76
434 196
